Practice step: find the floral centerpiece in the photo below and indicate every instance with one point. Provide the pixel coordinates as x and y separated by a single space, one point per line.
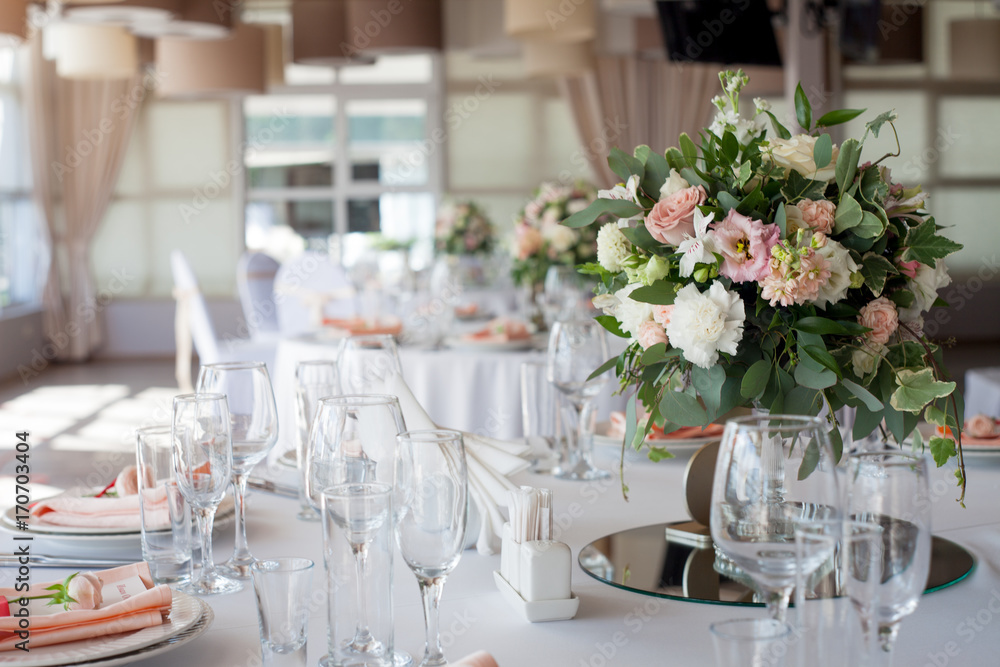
541 241
464 229
770 270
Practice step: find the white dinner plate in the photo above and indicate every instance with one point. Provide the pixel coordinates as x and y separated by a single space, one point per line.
981 450
289 459
189 617
486 346
602 438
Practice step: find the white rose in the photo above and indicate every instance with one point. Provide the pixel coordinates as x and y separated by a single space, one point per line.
607 302
841 268
631 313
551 216
925 285
703 324
612 247
796 154
863 359
560 237
674 184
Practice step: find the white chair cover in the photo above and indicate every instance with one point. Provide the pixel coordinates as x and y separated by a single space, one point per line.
255 276
309 287
192 323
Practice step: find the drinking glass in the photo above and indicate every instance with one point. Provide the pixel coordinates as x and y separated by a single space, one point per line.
772 471
576 348
431 505
561 293
750 642
540 415
353 441
254 418
891 489
282 588
357 547
364 363
203 461
313 380
166 517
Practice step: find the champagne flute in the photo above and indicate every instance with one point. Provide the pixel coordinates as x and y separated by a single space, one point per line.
772 471
431 506
314 380
575 349
203 461
254 418
365 362
891 489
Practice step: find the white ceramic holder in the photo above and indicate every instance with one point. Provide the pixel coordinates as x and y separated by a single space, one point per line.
534 577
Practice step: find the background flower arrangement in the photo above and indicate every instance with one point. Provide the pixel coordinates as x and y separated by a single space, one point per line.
464 229
771 270
541 241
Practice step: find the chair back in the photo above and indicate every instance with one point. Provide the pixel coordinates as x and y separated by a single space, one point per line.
255 274
309 285
189 295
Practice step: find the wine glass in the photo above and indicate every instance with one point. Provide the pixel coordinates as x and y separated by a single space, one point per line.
254 418
203 461
891 489
561 293
313 380
575 349
772 472
364 363
431 504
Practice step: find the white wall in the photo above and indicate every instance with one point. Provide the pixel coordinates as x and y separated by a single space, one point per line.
135 328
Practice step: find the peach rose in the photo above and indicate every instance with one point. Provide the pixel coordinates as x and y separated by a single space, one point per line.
85 588
651 333
981 426
662 314
881 317
817 214
529 241
673 216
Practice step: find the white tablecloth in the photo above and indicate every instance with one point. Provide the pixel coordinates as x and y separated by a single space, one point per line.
613 627
982 392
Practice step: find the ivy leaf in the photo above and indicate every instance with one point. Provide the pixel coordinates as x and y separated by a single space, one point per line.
745 173
656 454
875 269
682 409
847 164
619 208
838 116
823 151
942 449
803 110
798 187
876 125
755 380
903 298
924 245
915 389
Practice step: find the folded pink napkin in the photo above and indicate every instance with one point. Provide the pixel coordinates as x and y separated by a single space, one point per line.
121 513
142 610
477 659
499 330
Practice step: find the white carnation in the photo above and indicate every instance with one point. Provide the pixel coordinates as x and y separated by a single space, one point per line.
925 285
612 247
673 184
863 359
631 313
703 324
560 237
841 268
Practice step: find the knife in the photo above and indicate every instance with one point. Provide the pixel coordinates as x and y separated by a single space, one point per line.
267 486
38 560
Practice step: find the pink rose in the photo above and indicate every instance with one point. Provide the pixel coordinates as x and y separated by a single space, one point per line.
745 245
673 216
85 588
651 333
881 317
908 269
818 214
981 426
662 315
529 241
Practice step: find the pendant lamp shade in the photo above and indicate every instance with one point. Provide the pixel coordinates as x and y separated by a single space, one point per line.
544 58
975 49
320 35
14 18
551 20
214 68
391 26
194 19
125 12
88 52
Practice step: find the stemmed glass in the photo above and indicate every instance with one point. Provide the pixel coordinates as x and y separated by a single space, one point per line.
431 504
891 489
772 472
313 380
364 363
254 418
575 349
203 461
562 290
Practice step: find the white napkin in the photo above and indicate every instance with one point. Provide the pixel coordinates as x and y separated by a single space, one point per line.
490 462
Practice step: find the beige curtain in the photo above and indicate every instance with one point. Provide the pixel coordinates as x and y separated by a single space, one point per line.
79 139
629 101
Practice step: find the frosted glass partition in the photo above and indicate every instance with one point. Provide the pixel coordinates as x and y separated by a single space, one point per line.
491 144
122 249
969 143
966 214
211 241
910 168
187 143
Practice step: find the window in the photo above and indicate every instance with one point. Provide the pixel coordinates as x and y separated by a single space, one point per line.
340 155
21 263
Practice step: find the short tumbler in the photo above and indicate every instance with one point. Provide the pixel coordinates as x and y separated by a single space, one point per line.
283 589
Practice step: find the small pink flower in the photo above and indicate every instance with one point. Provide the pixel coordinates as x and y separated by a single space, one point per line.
908 269
85 588
651 333
529 241
814 272
981 426
662 314
745 245
673 216
881 317
819 215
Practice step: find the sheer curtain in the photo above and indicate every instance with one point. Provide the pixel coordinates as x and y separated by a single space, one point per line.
629 101
78 144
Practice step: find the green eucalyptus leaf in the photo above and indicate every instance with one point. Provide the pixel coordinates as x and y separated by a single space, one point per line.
823 151
682 409
688 150
708 383
847 164
616 207
869 399
849 214
727 201
838 116
607 366
755 380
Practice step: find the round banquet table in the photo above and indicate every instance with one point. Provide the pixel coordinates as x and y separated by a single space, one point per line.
958 626
982 392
